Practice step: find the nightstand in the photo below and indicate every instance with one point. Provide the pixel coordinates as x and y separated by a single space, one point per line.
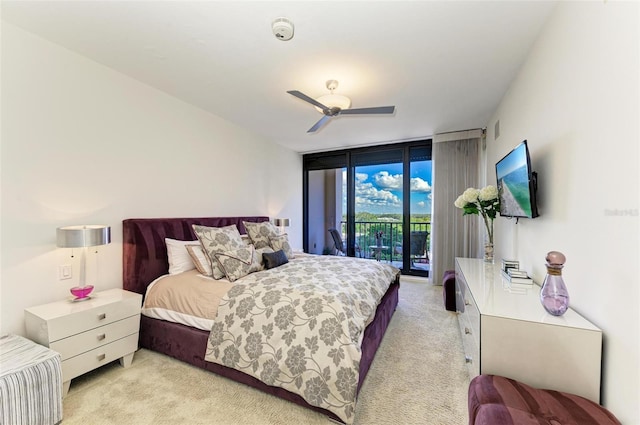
88 334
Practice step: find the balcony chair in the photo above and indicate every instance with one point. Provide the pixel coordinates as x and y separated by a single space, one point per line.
340 245
417 248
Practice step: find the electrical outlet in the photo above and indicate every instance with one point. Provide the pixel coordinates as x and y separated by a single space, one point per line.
64 272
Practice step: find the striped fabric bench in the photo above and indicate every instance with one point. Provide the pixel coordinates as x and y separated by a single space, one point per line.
30 383
496 400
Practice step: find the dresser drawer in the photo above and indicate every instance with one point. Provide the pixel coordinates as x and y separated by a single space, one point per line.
472 315
470 344
97 337
472 357
97 357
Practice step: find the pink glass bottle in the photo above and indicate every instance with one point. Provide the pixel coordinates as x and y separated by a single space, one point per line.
554 295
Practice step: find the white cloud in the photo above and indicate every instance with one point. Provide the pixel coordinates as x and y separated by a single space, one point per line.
385 180
419 185
422 204
361 177
367 194
388 181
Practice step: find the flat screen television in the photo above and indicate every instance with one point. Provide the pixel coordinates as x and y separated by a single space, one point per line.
517 184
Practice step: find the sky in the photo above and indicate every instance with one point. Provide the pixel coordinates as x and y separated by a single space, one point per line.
379 188
512 161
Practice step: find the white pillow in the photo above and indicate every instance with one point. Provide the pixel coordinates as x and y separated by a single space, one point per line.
200 259
179 258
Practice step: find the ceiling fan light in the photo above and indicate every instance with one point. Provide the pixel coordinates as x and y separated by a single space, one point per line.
334 100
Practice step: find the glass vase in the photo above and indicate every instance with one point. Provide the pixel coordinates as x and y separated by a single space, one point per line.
554 295
488 252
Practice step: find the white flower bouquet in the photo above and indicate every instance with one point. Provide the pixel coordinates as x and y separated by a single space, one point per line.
484 202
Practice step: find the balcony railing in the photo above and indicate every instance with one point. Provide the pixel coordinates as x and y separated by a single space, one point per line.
391 249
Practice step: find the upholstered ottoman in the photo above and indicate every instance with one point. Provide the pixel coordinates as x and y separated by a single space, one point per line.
449 290
496 400
30 383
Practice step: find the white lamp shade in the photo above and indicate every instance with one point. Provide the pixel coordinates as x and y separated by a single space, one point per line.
334 100
82 236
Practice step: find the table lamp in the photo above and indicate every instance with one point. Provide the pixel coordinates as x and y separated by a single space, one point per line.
83 237
281 223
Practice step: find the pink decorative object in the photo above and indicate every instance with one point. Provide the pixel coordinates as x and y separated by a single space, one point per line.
81 292
554 295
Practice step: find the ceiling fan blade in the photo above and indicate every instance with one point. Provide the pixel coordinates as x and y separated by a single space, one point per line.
306 98
319 124
375 110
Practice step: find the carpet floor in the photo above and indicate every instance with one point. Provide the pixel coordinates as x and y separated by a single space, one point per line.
418 377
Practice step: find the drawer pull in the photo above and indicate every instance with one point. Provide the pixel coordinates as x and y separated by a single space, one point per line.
468 359
467 331
101 357
101 337
466 302
102 316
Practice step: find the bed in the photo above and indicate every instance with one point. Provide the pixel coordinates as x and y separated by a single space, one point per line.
145 259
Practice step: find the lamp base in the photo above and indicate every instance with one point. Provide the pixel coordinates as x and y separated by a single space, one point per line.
81 293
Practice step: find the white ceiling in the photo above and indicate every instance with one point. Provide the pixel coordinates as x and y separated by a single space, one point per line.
445 65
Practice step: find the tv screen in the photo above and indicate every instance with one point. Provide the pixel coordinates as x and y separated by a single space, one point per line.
517 184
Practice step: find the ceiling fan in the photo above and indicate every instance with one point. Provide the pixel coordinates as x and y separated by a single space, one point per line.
333 105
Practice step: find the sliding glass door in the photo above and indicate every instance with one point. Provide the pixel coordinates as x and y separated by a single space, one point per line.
378 207
419 210
377 199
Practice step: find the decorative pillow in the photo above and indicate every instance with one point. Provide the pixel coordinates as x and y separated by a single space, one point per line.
215 240
260 232
281 242
239 262
179 259
246 239
200 259
274 259
259 252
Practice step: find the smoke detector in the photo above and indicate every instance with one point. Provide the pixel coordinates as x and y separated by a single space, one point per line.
282 29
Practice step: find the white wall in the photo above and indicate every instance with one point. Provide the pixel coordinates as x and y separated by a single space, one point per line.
83 144
576 102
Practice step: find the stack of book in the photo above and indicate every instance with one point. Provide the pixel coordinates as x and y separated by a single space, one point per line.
516 276
510 264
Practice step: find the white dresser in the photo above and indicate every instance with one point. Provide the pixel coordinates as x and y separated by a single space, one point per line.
88 334
506 331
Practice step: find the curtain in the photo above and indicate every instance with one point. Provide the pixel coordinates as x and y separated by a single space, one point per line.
455 168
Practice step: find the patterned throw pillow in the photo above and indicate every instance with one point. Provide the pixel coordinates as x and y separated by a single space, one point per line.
281 242
215 240
200 259
260 232
239 262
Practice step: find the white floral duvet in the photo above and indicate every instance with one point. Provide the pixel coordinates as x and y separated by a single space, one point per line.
300 326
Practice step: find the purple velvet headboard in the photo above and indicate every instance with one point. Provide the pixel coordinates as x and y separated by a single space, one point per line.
144 252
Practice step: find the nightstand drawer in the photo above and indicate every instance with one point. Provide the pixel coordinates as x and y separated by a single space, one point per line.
72 324
97 357
97 337
55 321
